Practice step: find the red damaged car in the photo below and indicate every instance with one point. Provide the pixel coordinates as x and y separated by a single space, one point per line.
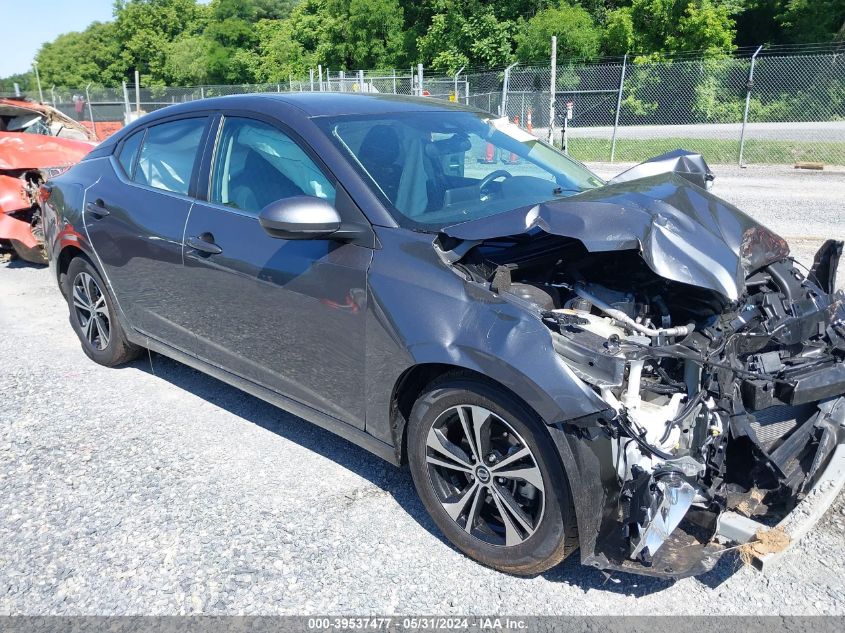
37 142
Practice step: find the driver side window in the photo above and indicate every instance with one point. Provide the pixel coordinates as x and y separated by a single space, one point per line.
256 164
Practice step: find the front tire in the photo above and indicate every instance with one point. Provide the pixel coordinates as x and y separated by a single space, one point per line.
486 471
93 316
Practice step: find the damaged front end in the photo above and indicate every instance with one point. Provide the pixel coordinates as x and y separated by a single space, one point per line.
724 397
26 162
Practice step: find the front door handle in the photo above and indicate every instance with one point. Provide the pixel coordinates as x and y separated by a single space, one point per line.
97 209
205 244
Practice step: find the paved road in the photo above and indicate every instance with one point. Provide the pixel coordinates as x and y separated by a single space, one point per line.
155 489
828 131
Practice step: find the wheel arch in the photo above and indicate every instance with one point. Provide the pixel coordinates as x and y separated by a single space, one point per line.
68 254
415 380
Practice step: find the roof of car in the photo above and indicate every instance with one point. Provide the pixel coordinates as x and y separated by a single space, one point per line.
338 103
310 104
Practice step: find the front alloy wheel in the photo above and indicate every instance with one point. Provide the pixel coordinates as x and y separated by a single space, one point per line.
485 475
488 472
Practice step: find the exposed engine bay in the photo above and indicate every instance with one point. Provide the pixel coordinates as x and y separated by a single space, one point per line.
712 404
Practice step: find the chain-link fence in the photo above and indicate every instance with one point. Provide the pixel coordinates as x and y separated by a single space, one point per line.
752 109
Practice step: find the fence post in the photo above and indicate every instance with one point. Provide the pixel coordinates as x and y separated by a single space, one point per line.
460 70
420 78
618 107
504 107
137 92
360 81
126 103
311 74
38 81
552 89
466 88
320 72
394 81
53 95
749 86
91 111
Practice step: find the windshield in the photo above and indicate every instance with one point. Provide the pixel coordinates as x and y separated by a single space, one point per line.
440 168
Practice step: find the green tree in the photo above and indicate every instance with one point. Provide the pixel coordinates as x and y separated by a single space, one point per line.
78 58
145 28
577 34
651 27
466 34
189 60
807 21
361 33
619 36
280 55
25 81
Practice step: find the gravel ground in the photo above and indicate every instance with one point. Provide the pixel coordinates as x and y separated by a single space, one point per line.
153 489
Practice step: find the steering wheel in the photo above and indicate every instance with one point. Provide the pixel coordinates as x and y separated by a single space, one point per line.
493 175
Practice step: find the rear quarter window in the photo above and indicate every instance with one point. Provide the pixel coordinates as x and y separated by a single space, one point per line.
129 150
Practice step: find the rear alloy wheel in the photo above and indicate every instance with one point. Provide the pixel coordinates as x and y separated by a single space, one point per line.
92 316
91 312
487 472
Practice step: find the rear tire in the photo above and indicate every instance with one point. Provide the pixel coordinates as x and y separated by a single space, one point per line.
512 509
93 316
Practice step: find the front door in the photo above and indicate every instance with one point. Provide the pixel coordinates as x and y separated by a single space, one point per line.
135 217
286 314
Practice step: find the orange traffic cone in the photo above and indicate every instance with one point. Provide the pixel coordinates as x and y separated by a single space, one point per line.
489 155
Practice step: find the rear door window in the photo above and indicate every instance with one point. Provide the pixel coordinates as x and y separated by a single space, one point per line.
256 164
169 153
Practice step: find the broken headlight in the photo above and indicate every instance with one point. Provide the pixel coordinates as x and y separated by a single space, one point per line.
760 247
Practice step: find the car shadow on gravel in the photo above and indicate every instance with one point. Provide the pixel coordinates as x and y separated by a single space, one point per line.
20 263
397 482
572 572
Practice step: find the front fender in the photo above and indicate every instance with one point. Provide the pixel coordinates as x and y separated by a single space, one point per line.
422 312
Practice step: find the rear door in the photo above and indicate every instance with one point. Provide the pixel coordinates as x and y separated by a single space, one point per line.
286 314
135 217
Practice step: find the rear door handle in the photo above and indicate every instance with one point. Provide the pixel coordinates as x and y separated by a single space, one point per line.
204 243
97 209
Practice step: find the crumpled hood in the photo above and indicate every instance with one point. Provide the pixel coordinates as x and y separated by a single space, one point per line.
683 232
32 151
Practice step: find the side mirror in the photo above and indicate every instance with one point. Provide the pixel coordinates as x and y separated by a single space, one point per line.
300 218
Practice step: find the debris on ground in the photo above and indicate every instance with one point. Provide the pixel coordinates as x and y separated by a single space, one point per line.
772 541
